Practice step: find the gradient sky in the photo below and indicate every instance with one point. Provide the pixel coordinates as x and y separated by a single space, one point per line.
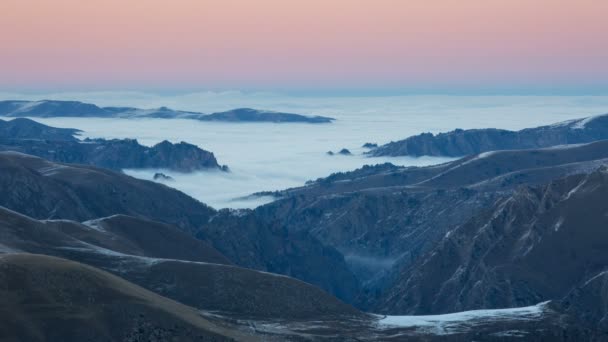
308 44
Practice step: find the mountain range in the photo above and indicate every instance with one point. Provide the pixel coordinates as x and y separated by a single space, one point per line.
61 145
461 142
53 108
500 245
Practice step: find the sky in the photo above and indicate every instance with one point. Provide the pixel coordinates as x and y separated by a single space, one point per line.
312 45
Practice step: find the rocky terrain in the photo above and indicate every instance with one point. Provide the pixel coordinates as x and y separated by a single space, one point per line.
385 217
498 245
48 108
472 141
60 145
167 289
538 244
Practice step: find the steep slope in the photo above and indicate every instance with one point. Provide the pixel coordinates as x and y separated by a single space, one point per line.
538 244
46 190
465 142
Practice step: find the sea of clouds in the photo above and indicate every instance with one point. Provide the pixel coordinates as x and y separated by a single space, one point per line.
269 156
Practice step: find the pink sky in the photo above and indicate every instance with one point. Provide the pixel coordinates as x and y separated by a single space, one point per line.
313 43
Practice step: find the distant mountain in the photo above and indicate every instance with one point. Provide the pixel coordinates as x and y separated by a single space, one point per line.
22 128
51 108
472 141
248 114
60 145
68 301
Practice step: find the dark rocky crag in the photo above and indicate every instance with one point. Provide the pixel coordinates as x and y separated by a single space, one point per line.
49 108
60 145
538 244
472 141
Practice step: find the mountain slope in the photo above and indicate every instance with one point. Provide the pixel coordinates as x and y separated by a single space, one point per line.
465 142
49 299
538 244
46 190
44 298
173 264
383 218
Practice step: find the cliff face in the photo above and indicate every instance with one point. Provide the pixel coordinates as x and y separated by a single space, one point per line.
465 142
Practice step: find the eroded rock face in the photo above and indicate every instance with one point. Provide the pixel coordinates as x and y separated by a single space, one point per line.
538 244
465 142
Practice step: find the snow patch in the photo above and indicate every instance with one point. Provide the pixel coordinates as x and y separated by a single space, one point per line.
486 154
594 277
580 124
462 321
575 189
51 170
558 224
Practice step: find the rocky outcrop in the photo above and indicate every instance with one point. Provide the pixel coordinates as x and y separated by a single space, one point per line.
48 108
159 176
472 141
342 152
60 145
